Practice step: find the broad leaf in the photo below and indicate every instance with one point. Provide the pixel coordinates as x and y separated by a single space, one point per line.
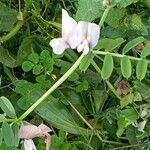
8 17
132 44
113 43
107 68
126 67
146 51
89 10
126 117
8 134
7 107
57 115
141 69
86 61
1 136
7 58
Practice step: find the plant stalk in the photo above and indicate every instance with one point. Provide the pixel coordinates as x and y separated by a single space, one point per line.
56 85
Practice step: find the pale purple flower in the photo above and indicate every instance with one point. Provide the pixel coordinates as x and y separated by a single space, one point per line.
82 35
68 35
28 132
29 145
87 35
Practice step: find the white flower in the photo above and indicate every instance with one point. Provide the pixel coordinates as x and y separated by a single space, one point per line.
82 35
143 114
141 126
28 132
88 35
29 145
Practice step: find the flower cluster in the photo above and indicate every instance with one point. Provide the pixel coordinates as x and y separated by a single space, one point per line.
81 36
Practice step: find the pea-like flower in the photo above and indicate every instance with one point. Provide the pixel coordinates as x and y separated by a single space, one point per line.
28 132
81 36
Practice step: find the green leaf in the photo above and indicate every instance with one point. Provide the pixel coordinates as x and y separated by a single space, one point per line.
125 3
37 69
27 66
135 23
99 99
15 128
83 86
57 115
86 61
34 58
146 51
116 17
8 17
131 135
141 69
127 99
107 68
1 136
126 117
7 107
126 67
7 58
132 44
47 61
89 10
8 134
113 43
25 49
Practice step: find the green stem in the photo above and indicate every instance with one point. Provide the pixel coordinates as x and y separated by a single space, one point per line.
104 16
57 84
12 32
81 116
116 55
129 146
108 83
95 131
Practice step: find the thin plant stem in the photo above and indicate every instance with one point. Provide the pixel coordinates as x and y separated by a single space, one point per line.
84 120
12 32
117 55
104 16
107 82
129 146
56 85
95 131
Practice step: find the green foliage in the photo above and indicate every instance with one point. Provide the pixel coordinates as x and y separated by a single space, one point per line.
7 107
113 44
126 117
126 67
132 44
7 130
107 67
141 69
86 61
89 10
146 51
104 95
8 17
7 58
135 23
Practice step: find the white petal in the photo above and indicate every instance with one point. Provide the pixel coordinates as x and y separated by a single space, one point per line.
68 24
58 45
28 132
44 128
29 145
80 48
82 29
93 34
